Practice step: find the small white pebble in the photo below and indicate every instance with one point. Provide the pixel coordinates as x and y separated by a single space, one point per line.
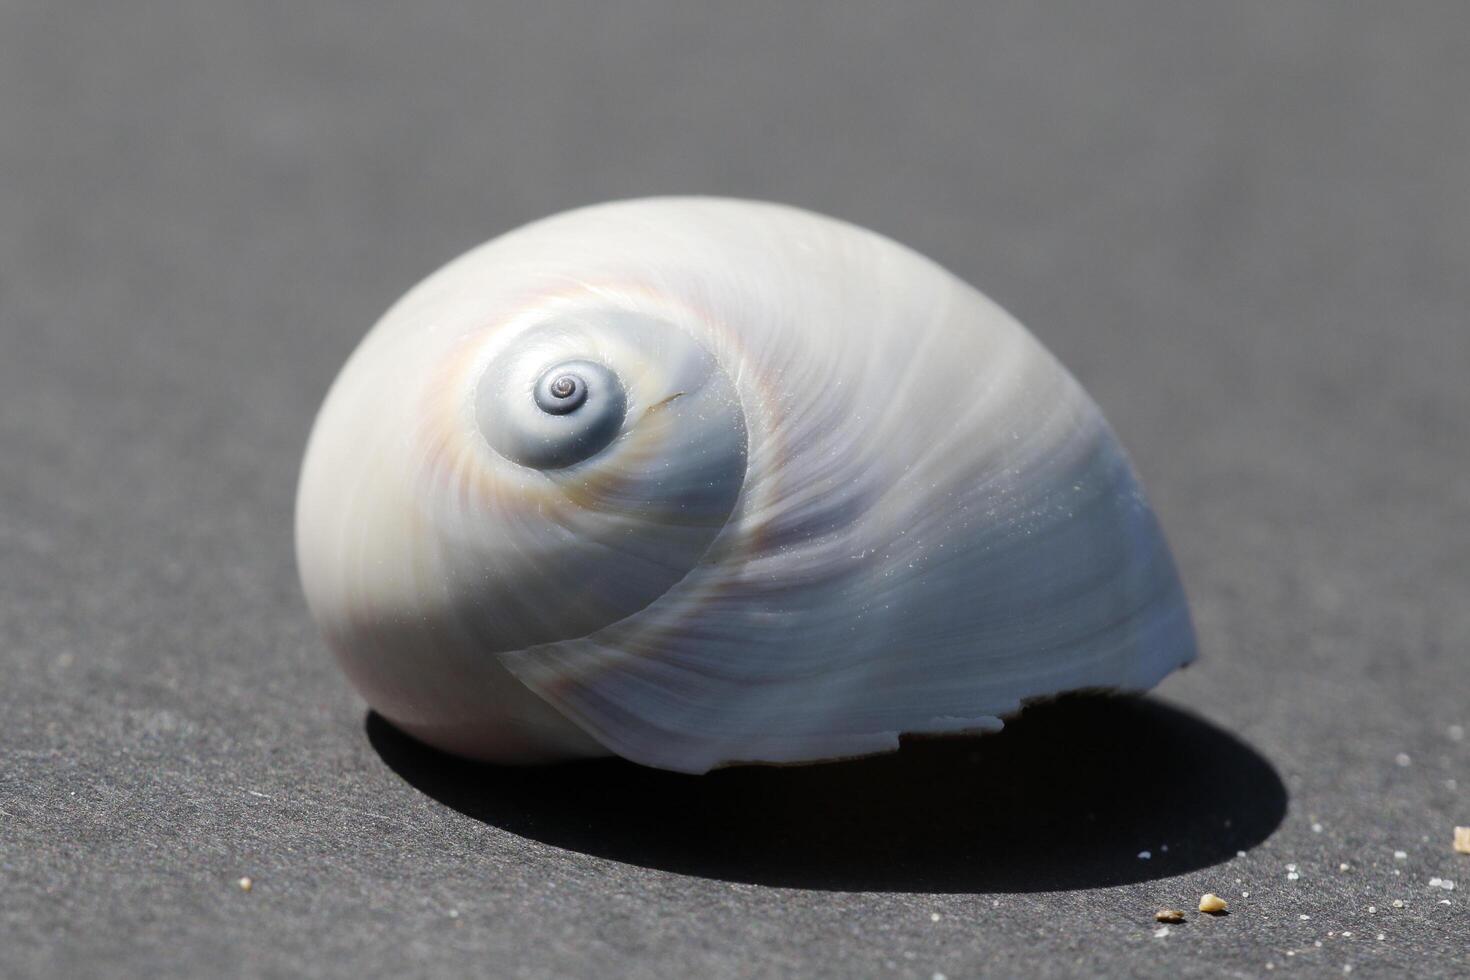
1270 965
1317 943
1316 828
1347 968
940 976
1291 867
1144 855
1292 876
1380 937
1398 903
1245 894
1444 901
246 884
1400 856
1402 759
1304 917
1346 934
933 916
1456 733
1212 904
454 913
1240 854
1164 848
1447 885
1435 882
1161 932
1344 866
995 903
1372 909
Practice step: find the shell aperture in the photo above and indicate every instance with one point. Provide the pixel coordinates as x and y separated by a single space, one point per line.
817 492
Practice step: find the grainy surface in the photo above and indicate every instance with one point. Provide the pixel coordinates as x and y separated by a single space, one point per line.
1246 227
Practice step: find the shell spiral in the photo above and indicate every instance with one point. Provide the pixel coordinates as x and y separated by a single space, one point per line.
696 481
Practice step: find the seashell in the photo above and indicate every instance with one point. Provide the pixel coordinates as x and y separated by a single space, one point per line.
699 482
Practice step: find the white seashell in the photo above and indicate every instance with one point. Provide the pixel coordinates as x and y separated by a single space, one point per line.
820 493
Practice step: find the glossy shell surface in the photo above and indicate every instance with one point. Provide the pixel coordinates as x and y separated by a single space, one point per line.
815 492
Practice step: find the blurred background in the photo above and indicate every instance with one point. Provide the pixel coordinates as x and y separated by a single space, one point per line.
1245 227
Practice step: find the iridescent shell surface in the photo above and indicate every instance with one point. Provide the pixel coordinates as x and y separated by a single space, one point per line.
815 492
